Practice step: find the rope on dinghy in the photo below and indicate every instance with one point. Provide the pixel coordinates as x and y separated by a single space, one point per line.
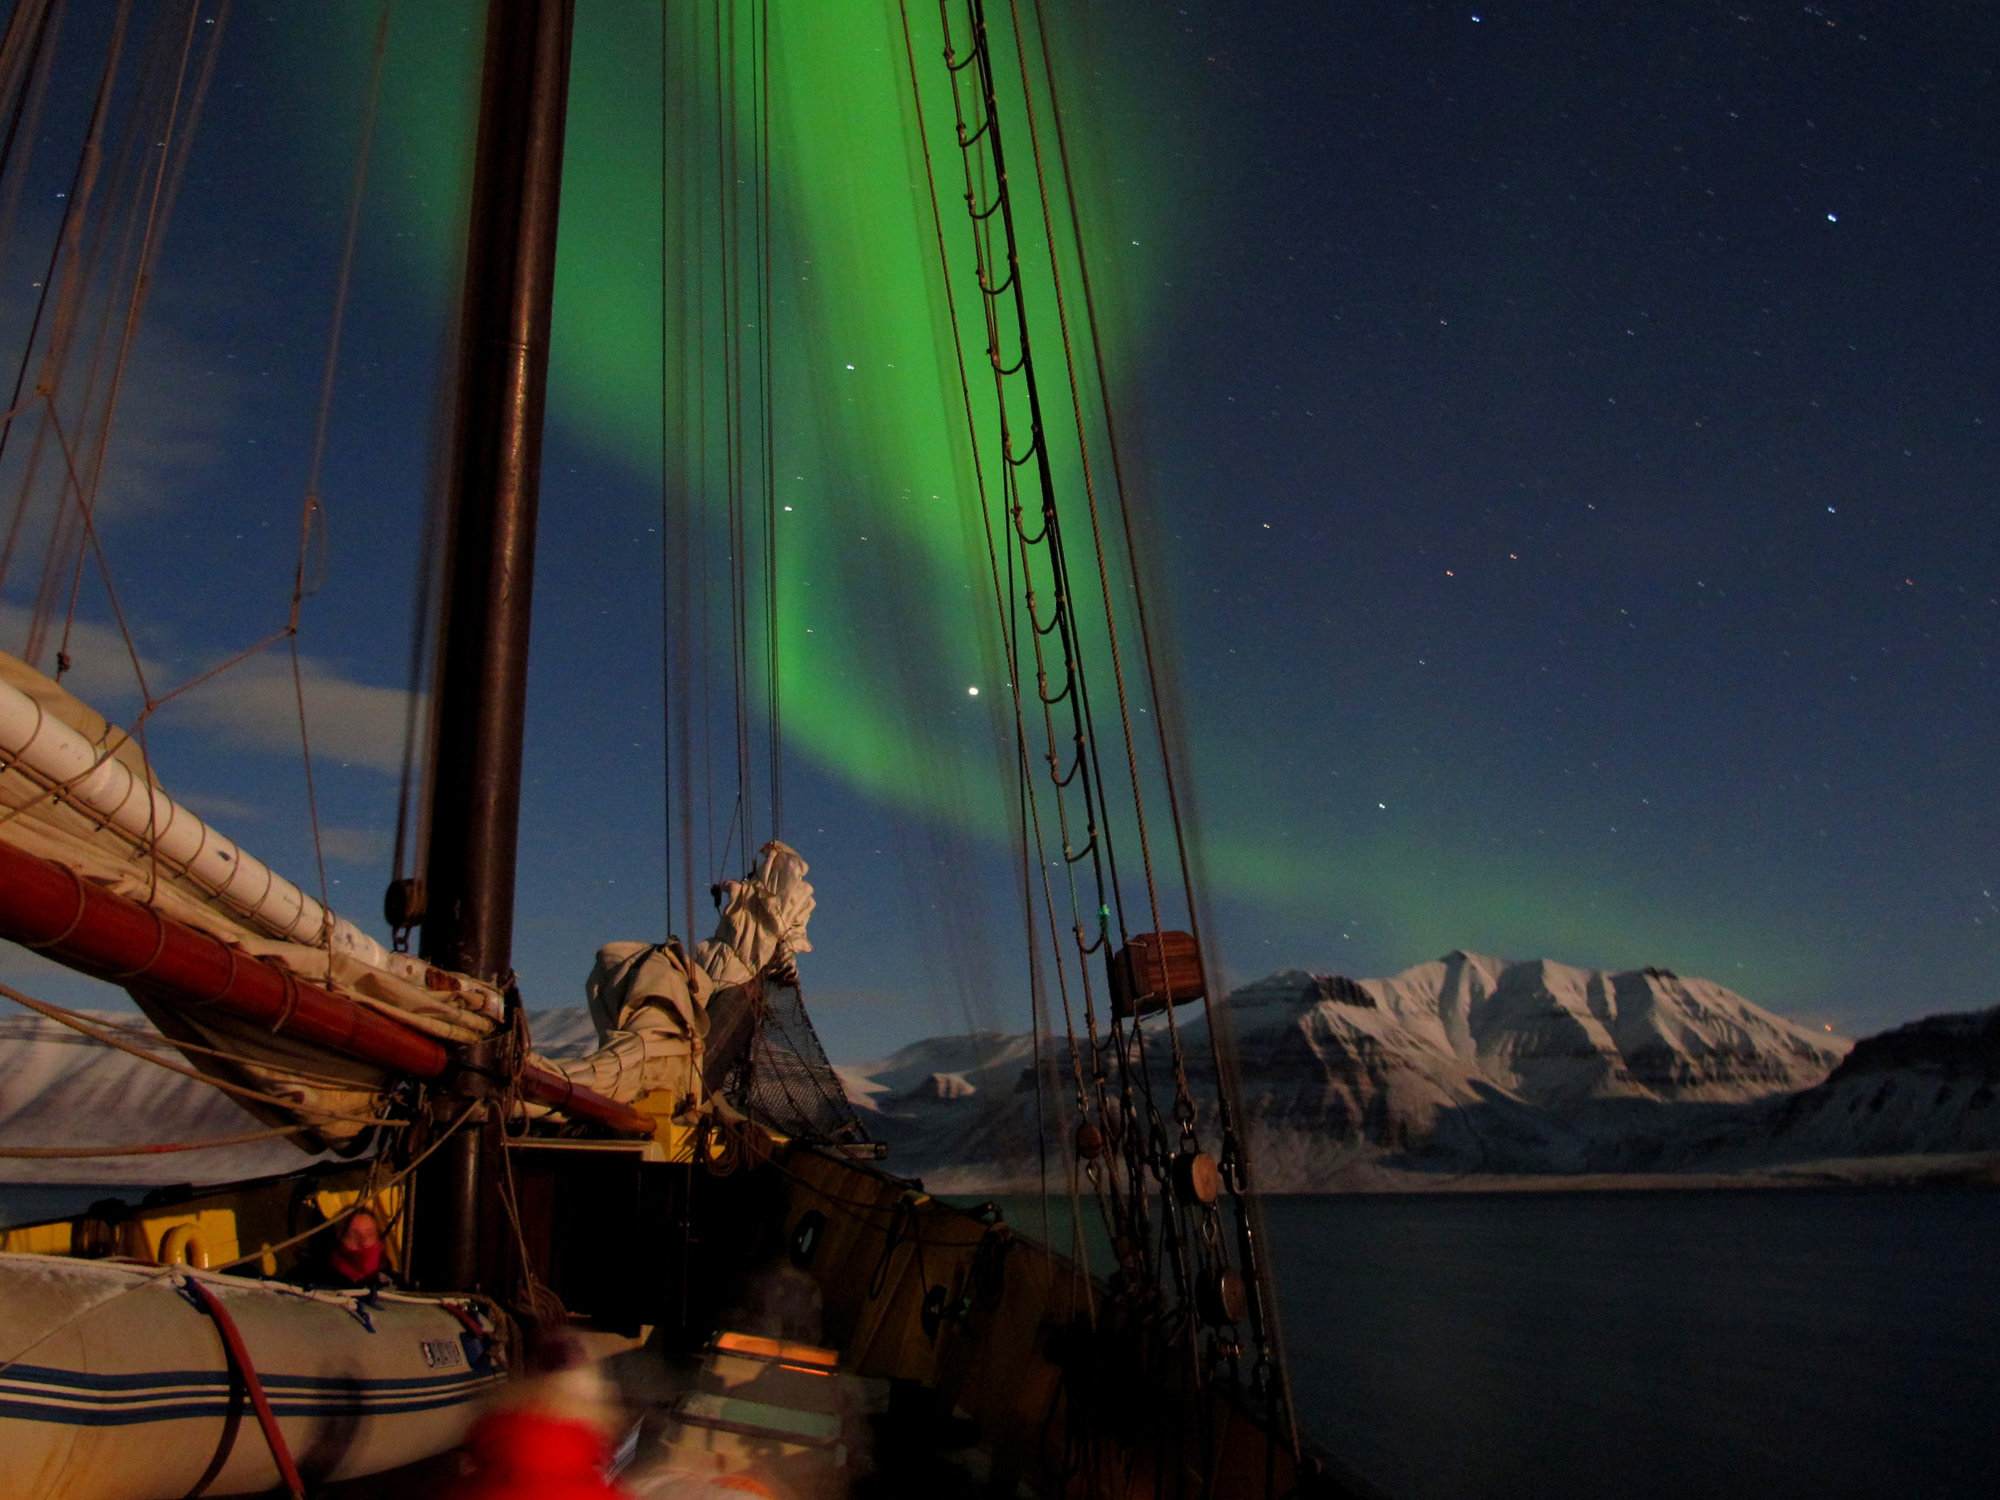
238 1354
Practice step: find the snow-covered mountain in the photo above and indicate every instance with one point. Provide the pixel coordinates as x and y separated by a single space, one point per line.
59 1088
1479 1065
1464 1064
1932 1086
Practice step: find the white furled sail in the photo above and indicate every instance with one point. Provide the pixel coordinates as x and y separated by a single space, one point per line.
76 789
79 772
650 1001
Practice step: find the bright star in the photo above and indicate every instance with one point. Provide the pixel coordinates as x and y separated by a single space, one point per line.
972 691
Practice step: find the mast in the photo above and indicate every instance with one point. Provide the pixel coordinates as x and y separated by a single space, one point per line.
495 481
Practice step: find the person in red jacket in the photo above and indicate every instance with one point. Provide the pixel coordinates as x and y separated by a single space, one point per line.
548 1435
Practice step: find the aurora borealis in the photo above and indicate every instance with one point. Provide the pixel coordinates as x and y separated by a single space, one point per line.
1567 442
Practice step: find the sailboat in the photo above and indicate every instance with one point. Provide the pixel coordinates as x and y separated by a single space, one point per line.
180 1345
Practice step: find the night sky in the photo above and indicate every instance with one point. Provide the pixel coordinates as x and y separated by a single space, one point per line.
1567 435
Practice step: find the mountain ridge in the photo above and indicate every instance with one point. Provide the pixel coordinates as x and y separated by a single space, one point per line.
1462 1069
1469 1067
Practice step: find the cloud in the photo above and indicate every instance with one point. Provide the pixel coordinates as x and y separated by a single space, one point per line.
356 846
178 405
175 408
101 664
215 809
252 706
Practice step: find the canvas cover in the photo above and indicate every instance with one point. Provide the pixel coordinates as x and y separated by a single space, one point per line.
651 1002
36 819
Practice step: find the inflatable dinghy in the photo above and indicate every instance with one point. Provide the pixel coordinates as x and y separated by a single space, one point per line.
122 1381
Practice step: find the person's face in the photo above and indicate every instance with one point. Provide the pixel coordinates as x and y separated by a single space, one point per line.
360 1233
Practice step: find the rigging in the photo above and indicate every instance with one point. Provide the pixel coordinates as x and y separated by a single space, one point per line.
1039 601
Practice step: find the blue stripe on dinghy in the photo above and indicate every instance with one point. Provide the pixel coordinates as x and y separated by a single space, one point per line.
74 1398
352 1396
54 1415
92 1380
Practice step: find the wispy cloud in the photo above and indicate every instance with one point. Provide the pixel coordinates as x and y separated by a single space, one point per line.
101 672
252 706
176 406
255 706
217 809
356 846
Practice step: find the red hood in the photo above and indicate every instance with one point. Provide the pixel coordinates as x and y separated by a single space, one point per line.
517 1445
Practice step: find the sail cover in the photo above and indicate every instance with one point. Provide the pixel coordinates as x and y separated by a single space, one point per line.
656 1005
78 791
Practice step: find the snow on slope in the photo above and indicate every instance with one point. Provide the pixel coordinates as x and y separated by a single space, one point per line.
1381 1058
1930 1086
1463 1064
59 1088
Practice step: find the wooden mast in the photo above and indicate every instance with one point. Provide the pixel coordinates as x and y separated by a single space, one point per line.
495 478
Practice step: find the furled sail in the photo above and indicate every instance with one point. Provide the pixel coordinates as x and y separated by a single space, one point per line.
77 791
665 1016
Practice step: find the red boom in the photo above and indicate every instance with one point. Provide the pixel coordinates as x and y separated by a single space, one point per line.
47 906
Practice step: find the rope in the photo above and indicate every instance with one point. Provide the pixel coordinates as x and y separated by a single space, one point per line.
311 507
673 439
370 1192
1263 1303
1038 561
238 1352
774 706
158 207
1084 773
728 165
162 1148
75 1023
171 141
15 405
1037 985
147 1035
66 255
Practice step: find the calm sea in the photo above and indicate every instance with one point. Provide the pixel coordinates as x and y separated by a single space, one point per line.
25 1202
1803 1343
1568 1345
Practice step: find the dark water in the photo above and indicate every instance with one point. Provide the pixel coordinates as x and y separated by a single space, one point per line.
1562 1346
27 1202
1809 1344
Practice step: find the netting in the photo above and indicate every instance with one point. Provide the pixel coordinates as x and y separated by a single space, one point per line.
786 1082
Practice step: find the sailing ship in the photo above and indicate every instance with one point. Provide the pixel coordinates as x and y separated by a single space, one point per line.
179 1345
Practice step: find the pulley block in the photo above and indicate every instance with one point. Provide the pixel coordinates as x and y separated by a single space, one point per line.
1197 1179
1220 1296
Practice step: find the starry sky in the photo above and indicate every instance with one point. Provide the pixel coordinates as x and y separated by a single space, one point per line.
1566 437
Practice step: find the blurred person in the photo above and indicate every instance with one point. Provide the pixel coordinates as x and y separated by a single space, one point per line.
548 1435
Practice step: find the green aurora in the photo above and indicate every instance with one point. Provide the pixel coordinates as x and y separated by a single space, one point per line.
870 439
870 450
